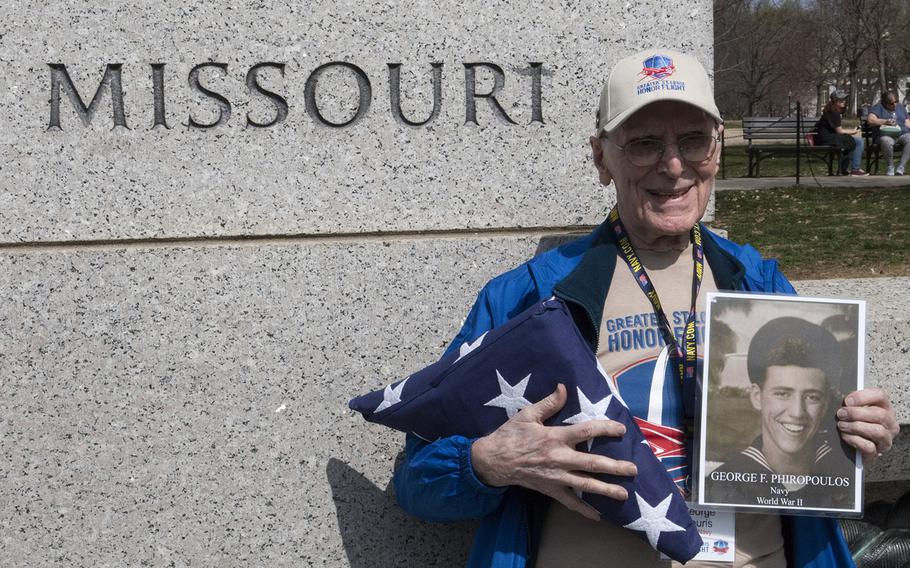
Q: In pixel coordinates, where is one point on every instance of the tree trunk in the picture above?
(854, 87)
(882, 80)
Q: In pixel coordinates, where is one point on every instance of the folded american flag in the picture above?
(472, 391)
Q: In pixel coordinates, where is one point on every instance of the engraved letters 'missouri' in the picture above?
(199, 81)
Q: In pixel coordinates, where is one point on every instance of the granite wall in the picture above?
(220, 221)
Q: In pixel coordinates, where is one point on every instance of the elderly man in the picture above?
(888, 113)
(656, 140)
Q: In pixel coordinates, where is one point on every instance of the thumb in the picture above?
(545, 407)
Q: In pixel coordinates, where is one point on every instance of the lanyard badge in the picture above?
(686, 352)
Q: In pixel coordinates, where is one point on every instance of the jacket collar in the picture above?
(586, 287)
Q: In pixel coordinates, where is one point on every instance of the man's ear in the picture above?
(755, 396)
(597, 154)
(718, 150)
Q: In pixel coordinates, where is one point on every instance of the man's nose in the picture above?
(671, 163)
(797, 407)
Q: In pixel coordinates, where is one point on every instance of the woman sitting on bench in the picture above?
(831, 133)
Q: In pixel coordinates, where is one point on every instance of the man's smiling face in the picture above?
(792, 401)
(668, 198)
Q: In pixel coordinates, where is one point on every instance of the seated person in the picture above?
(830, 133)
(889, 113)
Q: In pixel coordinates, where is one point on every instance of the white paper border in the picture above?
(860, 381)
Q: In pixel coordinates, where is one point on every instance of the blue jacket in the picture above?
(436, 480)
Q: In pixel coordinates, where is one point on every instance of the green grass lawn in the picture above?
(823, 232)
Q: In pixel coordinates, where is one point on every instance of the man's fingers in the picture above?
(589, 484)
(868, 422)
(876, 434)
(586, 484)
(545, 407)
(568, 498)
(577, 433)
(871, 414)
(864, 446)
(862, 413)
(571, 460)
(868, 397)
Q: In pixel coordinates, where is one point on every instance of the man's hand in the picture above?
(867, 422)
(525, 452)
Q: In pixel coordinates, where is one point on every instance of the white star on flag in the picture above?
(390, 396)
(653, 520)
(512, 398)
(589, 411)
(468, 347)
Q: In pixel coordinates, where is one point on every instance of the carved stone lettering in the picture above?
(60, 78)
(395, 93)
(280, 103)
(471, 94)
(112, 82)
(158, 93)
(224, 106)
(536, 106)
(364, 90)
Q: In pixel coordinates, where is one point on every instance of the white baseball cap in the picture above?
(651, 76)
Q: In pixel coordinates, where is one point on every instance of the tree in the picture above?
(770, 51)
(754, 62)
(846, 20)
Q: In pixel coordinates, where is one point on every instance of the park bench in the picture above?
(769, 136)
(874, 151)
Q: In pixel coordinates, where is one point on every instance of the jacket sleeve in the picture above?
(775, 281)
(762, 275)
(436, 480)
(502, 298)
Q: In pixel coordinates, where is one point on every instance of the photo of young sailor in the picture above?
(798, 372)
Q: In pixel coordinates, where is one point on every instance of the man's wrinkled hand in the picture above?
(867, 422)
(525, 452)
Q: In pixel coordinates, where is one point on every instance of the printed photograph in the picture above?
(777, 369)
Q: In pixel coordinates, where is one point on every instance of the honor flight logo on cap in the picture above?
(657, 67)
(652, 76)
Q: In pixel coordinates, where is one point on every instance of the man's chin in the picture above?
(678, 211)
(674, 226)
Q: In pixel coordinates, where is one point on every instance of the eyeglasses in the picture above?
(693, 148)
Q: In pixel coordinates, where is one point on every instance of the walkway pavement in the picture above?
(809, 181)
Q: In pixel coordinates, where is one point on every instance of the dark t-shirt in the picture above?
(827, 127)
